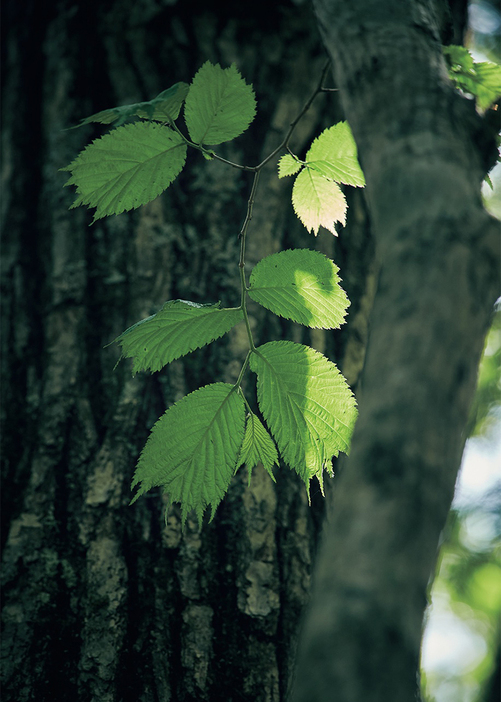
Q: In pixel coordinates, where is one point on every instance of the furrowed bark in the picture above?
(424, 152)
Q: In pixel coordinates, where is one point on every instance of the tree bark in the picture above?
(424, 152)
(103, 601)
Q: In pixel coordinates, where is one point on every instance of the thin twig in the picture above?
(293, 125)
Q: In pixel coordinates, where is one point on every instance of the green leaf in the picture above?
(127, 167)
(288, 165)
(164, 108)
(177, 329)
(306, 403)
(334, 155)
(219, 106)
(193, 449)
(257, 447)
(167, 104)
(113, 114)
(489, 84)
(459, 57)
(482, 80)
(301, 285)
(318, 202)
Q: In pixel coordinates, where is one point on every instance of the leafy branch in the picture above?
(197, 445)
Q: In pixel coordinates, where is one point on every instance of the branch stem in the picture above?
(250, 206)
(241, 374)
(285, 142)
(241, 263)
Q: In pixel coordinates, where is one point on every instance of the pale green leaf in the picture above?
(220, 105)
(193, 449)
(257, 447)
(318, 202)
(127, 167)
(301, 285)
(164, 108)
(307, 404)
(334, 155)
(288, 165)
(177, 329)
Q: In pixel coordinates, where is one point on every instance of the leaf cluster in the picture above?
(316, 196)
(196, 447)
(307, 407)
(135, 162)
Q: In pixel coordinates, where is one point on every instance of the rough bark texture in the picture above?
(424, 152)
(102, 601)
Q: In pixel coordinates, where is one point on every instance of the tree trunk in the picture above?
(103, 601)
(424, 152)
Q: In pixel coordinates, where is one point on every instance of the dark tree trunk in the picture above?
(424, 151)
(104, 602)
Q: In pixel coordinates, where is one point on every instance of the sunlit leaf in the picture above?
(306, 402)
(318, 202)
(334, 155)
(489, 84)
(301, 285)
(288, 165)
